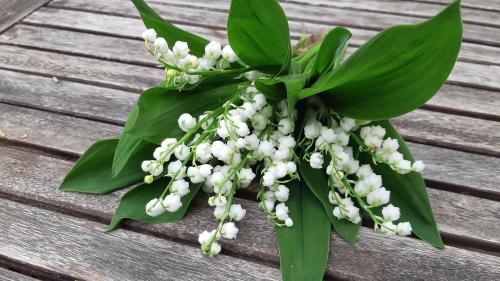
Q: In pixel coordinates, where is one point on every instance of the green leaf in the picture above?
(258, 33)
(301, 62)
(332, 50)
(127, 147)
(318, 184)
(92, 172)
(396, 71)
(130, 144)
(170, 32)
(304, 247)
(408, 192)
(272, 88)
(132, 205)
(158, 110)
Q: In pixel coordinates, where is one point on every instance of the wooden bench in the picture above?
(70, 71)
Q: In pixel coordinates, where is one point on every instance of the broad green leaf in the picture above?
(258, 33)
(294, 83)
(170, 32)
(318, 184)
(130, 144)
(332, 50)
(272, 88)
(133, 204)
(92, 172)
(396, 71)
(408, 192)
(300, 62)
(127, 147)
(304, 247)
(158, 111)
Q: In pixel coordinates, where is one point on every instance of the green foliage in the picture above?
(318, 184)
(331, 51)
(170, 32)
(304, 247)
(408, 192)
(258, 33)
(132, 205)
(92, 172)
(396, 71)
(159, 109)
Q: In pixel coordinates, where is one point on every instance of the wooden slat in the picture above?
(89, 70)
(68, 97)
(493, 5)
(7, 275)
(131, 77)
(79, 248)
(469, 74)
(214, 19)
(464, 133)
(47, 130)
(16, 122)
(310, 13)
(408, 257)
(13, 11)
(409, 8)
(470, 101)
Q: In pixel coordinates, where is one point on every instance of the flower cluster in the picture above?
(221, 150)
(181, 67)
(353, 186)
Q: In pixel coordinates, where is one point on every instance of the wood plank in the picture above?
(13, 11)
(469, 101)
(476, 4)
(7, 275)
(45, 129)
(256, 237)
(94, 71)
(79, 248)
(478, 136)
(71, 98)
(135, 78)
(408, 8)
(469, 74)
(214, 19)
(75, 135)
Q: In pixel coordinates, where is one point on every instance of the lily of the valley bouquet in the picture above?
(305, 130)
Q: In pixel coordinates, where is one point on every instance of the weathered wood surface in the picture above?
(256, 237)
(133, 77)
(73, 136)
(79, 248)
(7, 275)
(298, 14)
(94, 50)
(12, 11)
(493, 5)
(471, 101)
(131, 27)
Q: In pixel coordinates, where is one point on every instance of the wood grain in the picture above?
(7, 275)
(471, 101)
(464, 73)
(71, 98)
(214, 20)
(409, 8)
(256, 236)
(78, 248)
(478, 136)
(73, 135)
(13, 11)
(298, 12)
(94, 71)
(476, 4)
